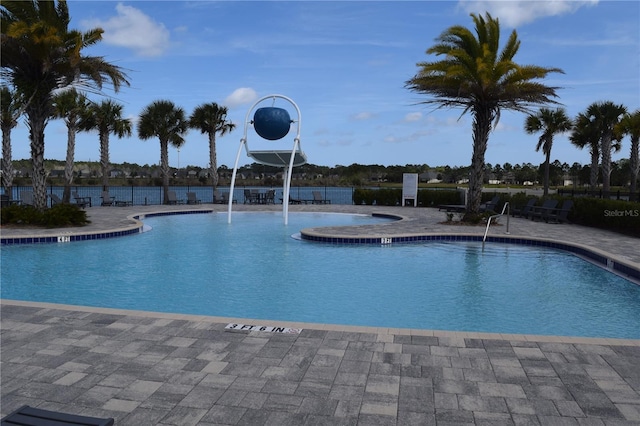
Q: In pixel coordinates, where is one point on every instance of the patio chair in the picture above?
(172, 199)
(192, 198)
(107, 200)
(81, 201)
(542, 211)
(224, 197)
(524, 211)
(270, 197)
(217, 198)
(317, 198)
(29, 416)
(490, 206)
(560, 215)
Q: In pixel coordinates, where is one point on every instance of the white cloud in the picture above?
(412, 116)
(361, 116)
(420, 135)
(240, 96)
(132, 29)
(515, 13)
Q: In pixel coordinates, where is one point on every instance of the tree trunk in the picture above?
(38, 174)
(634, 165)
(593, 177)
(545, 192)
(605, 148)
(104, 159)
(213, 162)
(68, 168)
(164, 167)
(7, 164)
(482, 119)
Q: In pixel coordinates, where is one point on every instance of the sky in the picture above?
(345, 65)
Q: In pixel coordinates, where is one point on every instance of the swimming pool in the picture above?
(252, 268)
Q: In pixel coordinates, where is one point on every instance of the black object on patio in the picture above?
(29, 416)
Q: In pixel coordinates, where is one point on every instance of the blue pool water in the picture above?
(252, 268)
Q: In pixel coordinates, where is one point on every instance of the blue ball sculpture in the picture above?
(271, 123)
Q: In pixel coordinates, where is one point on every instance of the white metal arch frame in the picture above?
(278, 158)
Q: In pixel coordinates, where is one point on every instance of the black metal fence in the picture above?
(153, 195)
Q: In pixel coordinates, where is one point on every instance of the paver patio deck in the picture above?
(164, 369)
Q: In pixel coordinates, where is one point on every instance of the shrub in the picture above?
(518, 200)
(20, 215)
(434, 198)
(380, 197)
(58, 216)
(393, 197)
(615, 215)
(363, 196)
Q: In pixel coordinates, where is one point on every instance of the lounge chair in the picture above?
(172, 199)
(560, 215)
(81, 201)
(27, 198)
(55, 199)
(107, 200)
(490, 206)
(29, 416)
(192, 198)
(541, 212)
(317, 198)
(524, 211)
(295, 200)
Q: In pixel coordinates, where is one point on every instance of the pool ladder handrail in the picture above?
(486, 231)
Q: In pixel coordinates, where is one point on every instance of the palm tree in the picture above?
(40, 54)
(106, 118)
(162, 119)
(476, 76)
(584, 134)
(11, 108)
(549, 122)
(211, 119)
(630, 125)
(605, 116)
(69, 105)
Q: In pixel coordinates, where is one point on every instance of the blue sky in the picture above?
(345, 64)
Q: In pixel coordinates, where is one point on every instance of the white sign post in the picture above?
(410, 188)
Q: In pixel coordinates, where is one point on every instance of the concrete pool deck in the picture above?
(147, 368)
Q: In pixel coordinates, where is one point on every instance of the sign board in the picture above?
(410, 188)
(264, 328)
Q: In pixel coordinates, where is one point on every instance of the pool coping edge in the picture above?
(381, 331)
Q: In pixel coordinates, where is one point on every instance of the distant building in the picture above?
(429, 177)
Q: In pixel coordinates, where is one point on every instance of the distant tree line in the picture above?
(560, 174)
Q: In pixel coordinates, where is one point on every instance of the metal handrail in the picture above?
(486, 231)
